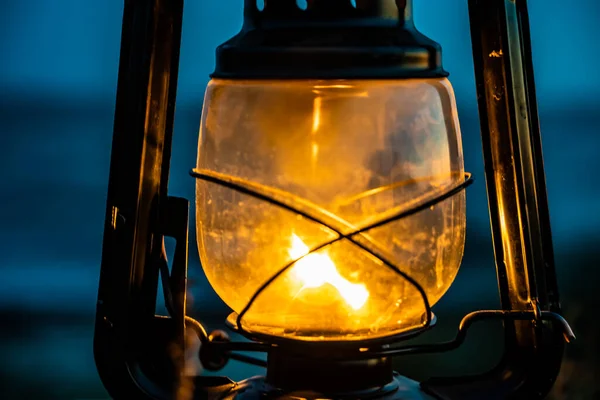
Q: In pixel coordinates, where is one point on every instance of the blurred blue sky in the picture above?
(70, 47)
(58, 84)
(58, 76)
(66, 52)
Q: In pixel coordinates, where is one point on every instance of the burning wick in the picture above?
(315, 270)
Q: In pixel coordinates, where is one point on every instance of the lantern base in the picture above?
(319, 375)
(325, 372)
(400, 388)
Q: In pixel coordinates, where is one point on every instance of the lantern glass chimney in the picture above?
(349, 152)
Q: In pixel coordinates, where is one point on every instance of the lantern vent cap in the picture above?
(329, 39)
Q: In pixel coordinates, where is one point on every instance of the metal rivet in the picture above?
(107, 322)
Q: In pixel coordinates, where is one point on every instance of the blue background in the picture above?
(58, 76)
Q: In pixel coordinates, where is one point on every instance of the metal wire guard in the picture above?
(227, 348)
(343, 229)
(273, 196)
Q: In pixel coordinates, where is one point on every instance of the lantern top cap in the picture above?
(328, 39)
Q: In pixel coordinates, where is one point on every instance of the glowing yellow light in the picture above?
(316, 114)
(315, 151)
(315, 270)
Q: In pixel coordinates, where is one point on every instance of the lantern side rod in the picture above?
(519, 214)
(130, 343)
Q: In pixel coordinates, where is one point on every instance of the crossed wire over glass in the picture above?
(343, 229)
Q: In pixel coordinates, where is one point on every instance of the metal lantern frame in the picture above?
(141, 355)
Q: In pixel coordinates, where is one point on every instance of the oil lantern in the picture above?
(330, 205)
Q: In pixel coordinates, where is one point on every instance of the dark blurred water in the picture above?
(57, 87)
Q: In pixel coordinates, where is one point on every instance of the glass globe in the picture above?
(350, 152)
